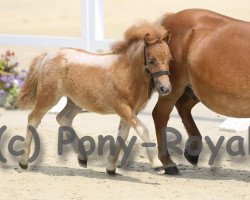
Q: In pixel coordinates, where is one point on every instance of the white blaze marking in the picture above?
(77, 57)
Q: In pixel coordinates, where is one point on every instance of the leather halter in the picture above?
(155, 74)
(152, 75)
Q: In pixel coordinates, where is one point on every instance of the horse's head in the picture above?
(157, 57)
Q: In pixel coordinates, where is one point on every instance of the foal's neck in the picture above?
(135, 59)
(132, 62)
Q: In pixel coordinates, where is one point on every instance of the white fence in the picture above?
(92, 37)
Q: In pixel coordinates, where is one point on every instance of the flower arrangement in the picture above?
(10, 80)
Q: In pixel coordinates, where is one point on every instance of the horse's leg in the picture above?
(125, 112)
(152, 151)
(184, 106)
(123, 133)
(161, 114)
(44, 103)
(65, 118)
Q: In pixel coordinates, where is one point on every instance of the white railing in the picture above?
(92, 36)
(92, 39)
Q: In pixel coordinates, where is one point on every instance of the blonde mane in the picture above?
(137, 33)
(163, 18)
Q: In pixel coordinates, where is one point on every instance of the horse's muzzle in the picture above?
(163, 90)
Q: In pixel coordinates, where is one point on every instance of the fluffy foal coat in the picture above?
(102, 83)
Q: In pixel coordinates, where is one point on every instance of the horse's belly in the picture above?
(221, 102)
(93, 105)
(218, 70)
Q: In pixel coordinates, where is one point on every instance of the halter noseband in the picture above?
(155, 74)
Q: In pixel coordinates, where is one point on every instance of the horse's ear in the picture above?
(148, 39)
(167, 36)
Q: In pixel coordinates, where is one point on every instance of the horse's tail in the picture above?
(27, 95)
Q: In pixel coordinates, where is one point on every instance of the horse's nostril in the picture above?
(165, 89)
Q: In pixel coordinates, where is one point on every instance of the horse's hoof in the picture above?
(83, 163)
(111, 173)
(173, 170)
(192, 159)
(24, 167)
(159, 170)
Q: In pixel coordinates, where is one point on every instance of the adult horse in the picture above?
(112, 83)
(212, 65)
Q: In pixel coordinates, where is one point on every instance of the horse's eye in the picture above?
(151, 61)
(171, 63)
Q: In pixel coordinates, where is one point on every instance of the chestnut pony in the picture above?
(212, 65)
(112, 83)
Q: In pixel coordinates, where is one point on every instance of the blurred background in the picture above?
(63, 18)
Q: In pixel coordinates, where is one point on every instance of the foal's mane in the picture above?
(163, 18)
(137, 33)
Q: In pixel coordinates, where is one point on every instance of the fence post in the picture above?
(85, 28)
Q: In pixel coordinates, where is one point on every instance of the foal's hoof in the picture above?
(173, 170)
(24, 167)
(83, 163)
(159, 170)
(192, 159)
(111, 173)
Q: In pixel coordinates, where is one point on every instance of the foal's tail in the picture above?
(27, 95)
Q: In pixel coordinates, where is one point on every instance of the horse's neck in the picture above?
(132, 62)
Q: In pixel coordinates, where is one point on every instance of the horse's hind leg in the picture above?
(65, 118)
(184, 106)
(44, 102)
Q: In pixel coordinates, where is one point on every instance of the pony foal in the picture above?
(117, 82)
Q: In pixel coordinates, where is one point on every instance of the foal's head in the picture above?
(148, 43)
(157, 57)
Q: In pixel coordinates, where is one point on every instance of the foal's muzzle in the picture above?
(161, 81)
(163, 90)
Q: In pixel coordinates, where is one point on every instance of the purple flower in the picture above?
(9, 76)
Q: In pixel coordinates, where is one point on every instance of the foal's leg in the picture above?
(65, 118)
(131, 119)
(152, 152)
(43, 104)
(184, 106)
(123, 133)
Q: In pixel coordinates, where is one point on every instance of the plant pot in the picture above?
(3, 97)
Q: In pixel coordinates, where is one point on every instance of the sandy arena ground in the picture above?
(60, 177)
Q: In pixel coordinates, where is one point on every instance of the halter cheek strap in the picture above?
(152, 75)
(155, 74)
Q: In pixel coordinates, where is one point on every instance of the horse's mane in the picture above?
(163, 18)
(137, 33)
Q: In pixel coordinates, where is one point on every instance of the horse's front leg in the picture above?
(161, 115)
(152, 151)
(129, 117)
(184, 106)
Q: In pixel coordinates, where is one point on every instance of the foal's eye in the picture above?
(171, 63)
(151, 61)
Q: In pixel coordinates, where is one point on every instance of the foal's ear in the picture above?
(148, 39)
(167, 36)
